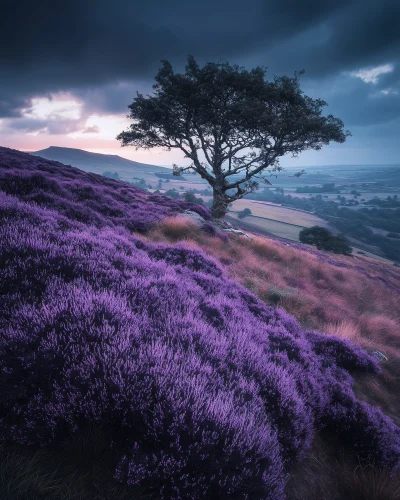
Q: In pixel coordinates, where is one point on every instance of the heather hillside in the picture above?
(84, 197)
(193, 386)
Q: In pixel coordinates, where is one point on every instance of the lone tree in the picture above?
(231, 123)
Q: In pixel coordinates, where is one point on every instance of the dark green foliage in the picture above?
(112, 175)
(221, 110)
(172, 193)
(390, 202)
(325, 188)
(191, 198)
(323, 239)
(169, 176)
(244, 213)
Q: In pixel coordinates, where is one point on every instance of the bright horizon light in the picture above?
(54, 106)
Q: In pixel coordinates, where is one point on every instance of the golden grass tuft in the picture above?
(178, 228)
(344, 328)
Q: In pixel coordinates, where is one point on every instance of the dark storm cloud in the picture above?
(110, 98)
(360, 34)
(11, 102)
(58, 125)
(89, 47)
(360, 106)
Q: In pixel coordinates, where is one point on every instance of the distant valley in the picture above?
(360, 201)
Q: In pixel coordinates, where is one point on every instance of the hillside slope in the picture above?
(99, 163)
(197, 387)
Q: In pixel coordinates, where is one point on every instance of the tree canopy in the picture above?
(323, 239)
(231, 123)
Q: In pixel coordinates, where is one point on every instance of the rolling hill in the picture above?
(99, 163)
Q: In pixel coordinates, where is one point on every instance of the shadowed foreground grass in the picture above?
(76, 469)
(79, 469)
(330, 473)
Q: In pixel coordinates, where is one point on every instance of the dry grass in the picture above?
(347, 301)
(332, 474)
(178, 228)
(77, 468)
(321, 295)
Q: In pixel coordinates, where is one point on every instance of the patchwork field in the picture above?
(278, 213)
(267, 227)
(274, 219)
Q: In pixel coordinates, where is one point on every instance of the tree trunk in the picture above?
(220, 205)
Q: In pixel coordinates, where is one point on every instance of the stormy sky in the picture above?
(68, 70)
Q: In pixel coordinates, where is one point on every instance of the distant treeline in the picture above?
(325, 188)
(170, 176)
(390, 202)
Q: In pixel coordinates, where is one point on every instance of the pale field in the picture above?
(276, 228)
(187, 185)
(278, 213)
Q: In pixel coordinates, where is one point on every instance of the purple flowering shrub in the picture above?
(206, 392)
(85, 197)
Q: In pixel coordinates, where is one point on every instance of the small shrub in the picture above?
(244, 213)
(112, 175)
(323, 239)
(192, 198)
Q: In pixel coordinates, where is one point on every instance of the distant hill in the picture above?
(99, 163)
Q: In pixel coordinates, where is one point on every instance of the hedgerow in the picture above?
(206, 391)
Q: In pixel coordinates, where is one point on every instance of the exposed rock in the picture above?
(220, 224)
(379, 355)
(237, 231)
(193, 216)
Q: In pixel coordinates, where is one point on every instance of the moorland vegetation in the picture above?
(131, 332)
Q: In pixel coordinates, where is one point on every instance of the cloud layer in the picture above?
(101, 52)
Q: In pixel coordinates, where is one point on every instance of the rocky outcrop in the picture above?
(219, 224)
